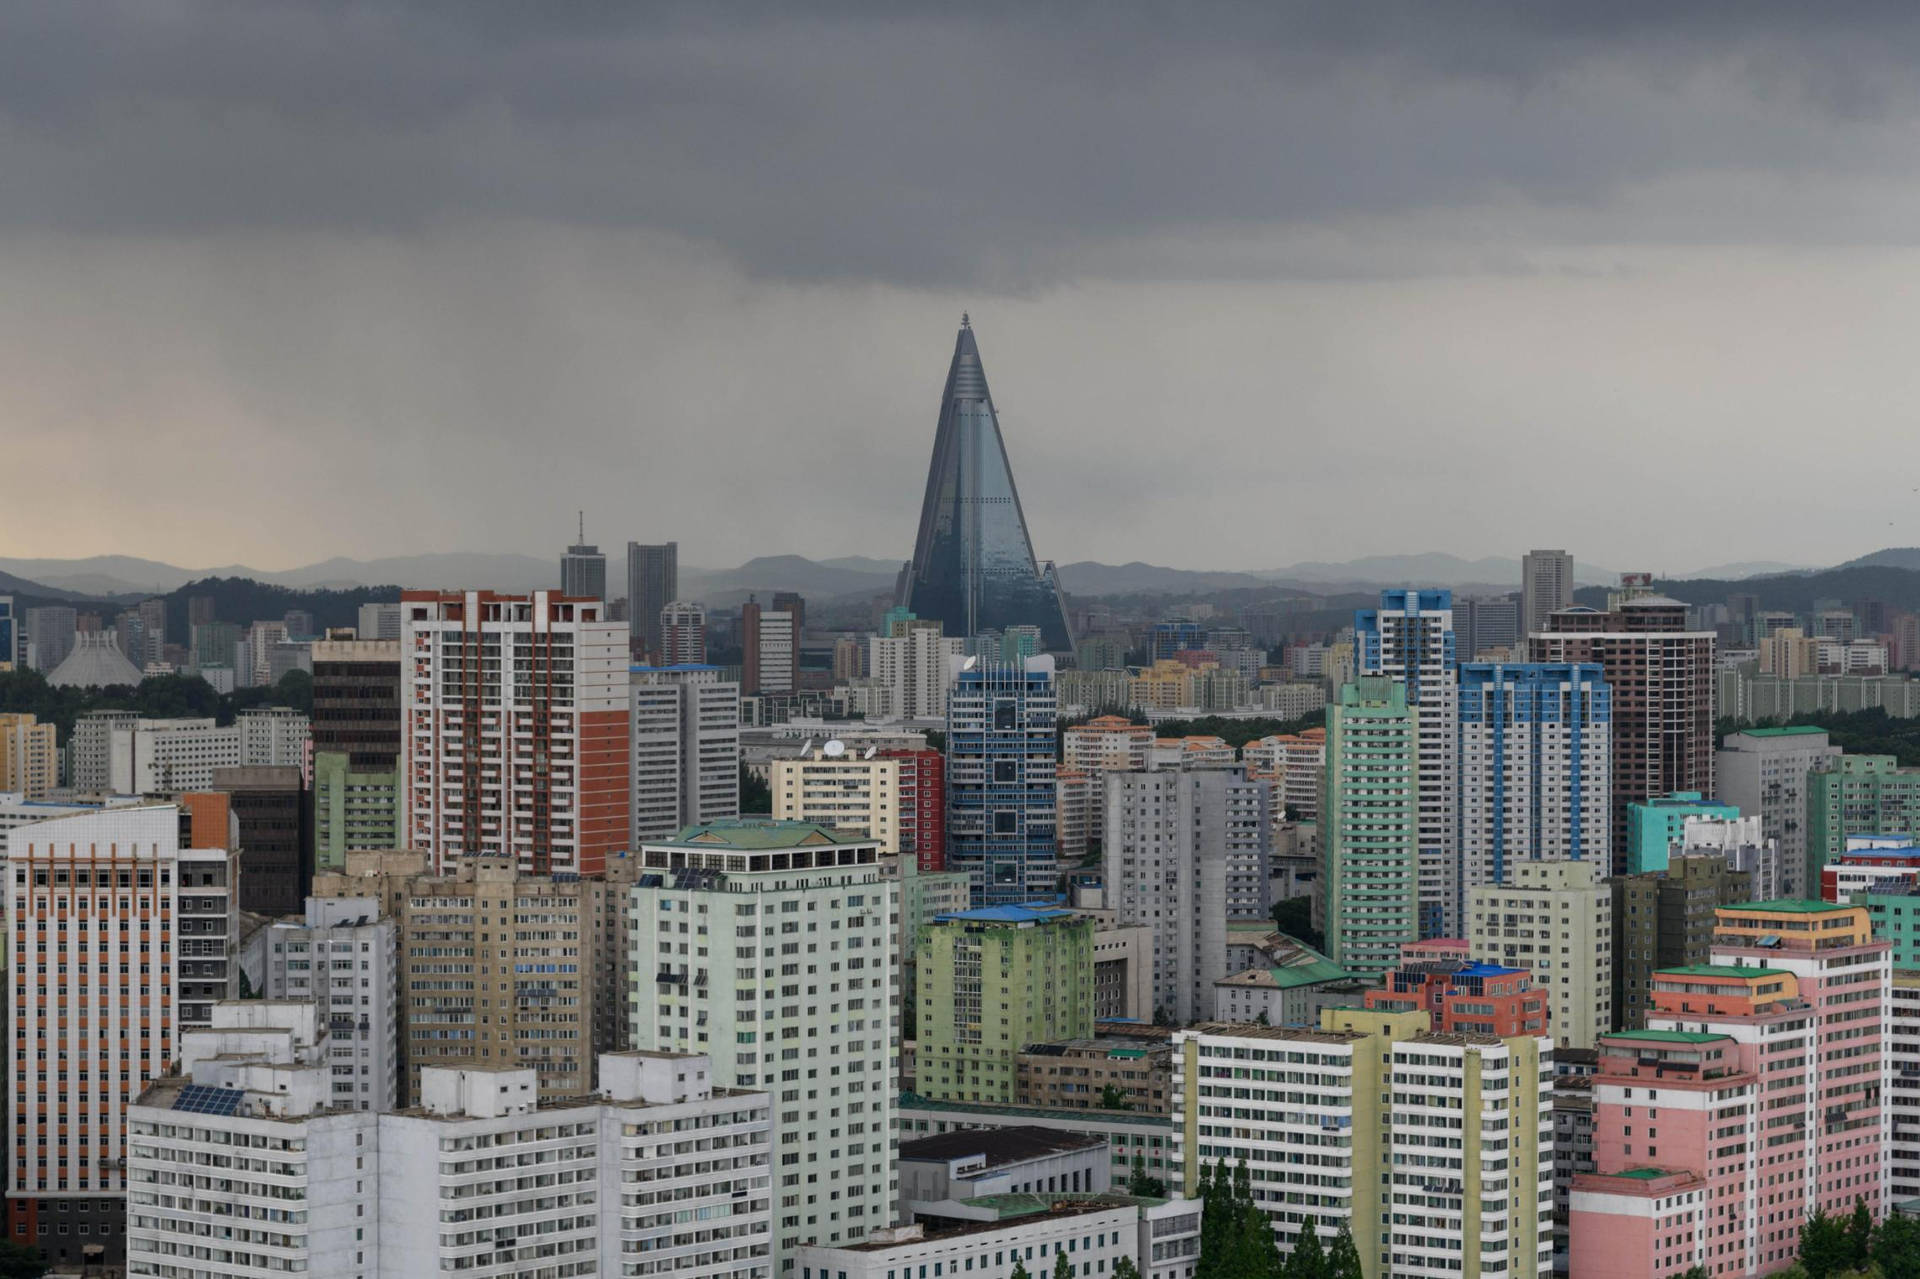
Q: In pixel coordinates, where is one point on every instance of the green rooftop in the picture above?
(1132, 1118)
(1790, 730)
(1026, 1205)
(1666, 1036)
(1642, 1174)
(1720, 970)
(1787, 906)
(760, 834)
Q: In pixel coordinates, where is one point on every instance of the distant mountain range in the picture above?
(107, 576)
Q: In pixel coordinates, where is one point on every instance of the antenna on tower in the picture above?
(583, 528)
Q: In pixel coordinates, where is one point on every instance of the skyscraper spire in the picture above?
(973, 566)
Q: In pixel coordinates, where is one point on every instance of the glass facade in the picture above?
(973, 565)
(1000, 779)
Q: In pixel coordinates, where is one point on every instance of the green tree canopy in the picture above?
(1343, 1259)
(1896, 1247)
(1112, 1098)
(1825, 1248)
(1307, 1260)
(1860, 1233)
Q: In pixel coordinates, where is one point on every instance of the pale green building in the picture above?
(1857, 795)
(1369, 823)
(352, 810)
(924, 896)
(991, 982)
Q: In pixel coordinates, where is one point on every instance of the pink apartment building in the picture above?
(1754, 1099)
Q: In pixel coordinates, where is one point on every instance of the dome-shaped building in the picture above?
(96, 662)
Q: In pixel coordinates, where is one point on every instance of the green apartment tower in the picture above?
(992, 981)
(1857, 795)
(1370, 824)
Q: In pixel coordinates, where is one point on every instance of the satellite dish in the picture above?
(836, 748)
(807, 748)
(870, 752)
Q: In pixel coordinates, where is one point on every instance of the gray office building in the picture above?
(653, 582)
(583, 569)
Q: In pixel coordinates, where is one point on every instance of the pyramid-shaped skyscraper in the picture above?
(973, 565)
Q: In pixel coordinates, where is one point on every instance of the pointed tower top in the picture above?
(965, 323)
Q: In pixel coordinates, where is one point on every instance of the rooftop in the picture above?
(1031, 913)
(1251, 1030)
(1787, 906)
(1001, 1146)
(763, 833)
(1079, 1118)
(1720, 970)
(1008, 1208)
(1665, 1036)
(1789, 730)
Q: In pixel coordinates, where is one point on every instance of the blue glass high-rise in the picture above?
(1000, 779)
(973, 565)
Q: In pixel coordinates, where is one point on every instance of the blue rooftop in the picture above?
(683, 666)
(1487, 970)
(1031, 913)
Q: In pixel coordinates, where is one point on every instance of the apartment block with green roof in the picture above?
(992, 981)
(1370, 826)
(1857, 795)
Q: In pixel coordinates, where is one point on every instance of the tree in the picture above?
(1139, 1183)
(1307, 1260)
(1896, 1247)
(1343, 1259)
(1294, 917)
(1112, 1098)
(1062, 1268)
(1125, 1269)
(755, 795)
(1860, 1233)
(1696, 1272)
(1825, 1248)
(1019, 1270)
(18, 1261)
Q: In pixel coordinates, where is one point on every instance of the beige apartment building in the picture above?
(836, 788)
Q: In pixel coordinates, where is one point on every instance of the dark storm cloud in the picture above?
(988, 145)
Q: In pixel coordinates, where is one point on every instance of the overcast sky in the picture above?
(1252, 284)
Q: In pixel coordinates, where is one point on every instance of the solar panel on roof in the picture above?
(201, 1100)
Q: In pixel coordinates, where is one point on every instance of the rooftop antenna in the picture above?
(965, 323)
(583, 528)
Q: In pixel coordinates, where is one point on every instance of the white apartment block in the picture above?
(1107, 744)
(841, 790)
(685, 764)
(1739, 841)
(91, 750)
(915, 667)
(240, 1168)
(344, 958)
(1296, 764)
(1554, 919)
(1294, 699)
(154, 756)
(257, 653)
(1185, 853)
(770, 947)
(1376, 1123)
(1093, 1232)
(514, 731)
(103, 911)
(777, 648)
(1763, 772)
(1903, 1092)
(274, 735)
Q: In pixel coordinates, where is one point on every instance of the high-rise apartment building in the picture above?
(343, 957)
(1409, 638)
(497, 966)
(973, 567)
(274, 735)
(1295, 764)
(769, 650)
(116, 942)
(514, 729)
(273, 811)
(583, 569)
(990, 982)
(1000, 771)
(653, 582)
(1431, 1147)
(1661, 675)
(153, 630)
(683, 634)
(1656, 826)
(1755, 1098)
(1535, 763)
(1106, 743)
(29, 756)
(685, 761)
(840, 790)
(1489, 625)
(770, 946)
(247, 1131)
(1903, 1090)
(1665, 920)
(923, 806)
(1857, 795)
(917, 667)
(49, 634)
(1187, 853)
(1546, 587)
(356, 748)
(1554, 919)
(1369, 826)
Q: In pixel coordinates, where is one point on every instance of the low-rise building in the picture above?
(1075, 1074)
(1285, 983)
(989, 1236)
(970, 1163)
(1146, 1136)
(1468, 998)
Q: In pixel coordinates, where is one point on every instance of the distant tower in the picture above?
(653, 582)
(1546, 586)
(973, 565)
(583, 569)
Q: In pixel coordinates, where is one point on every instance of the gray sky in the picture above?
(1253, 284)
